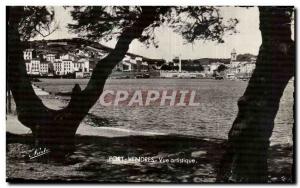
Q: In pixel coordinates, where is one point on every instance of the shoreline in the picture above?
(16, 127)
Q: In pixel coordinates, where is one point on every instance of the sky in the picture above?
(247, 40)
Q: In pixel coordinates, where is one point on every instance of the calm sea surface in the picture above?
(212, 118)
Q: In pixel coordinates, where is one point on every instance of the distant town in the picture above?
(76, 59)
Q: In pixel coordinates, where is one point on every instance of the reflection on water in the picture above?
(213, 118)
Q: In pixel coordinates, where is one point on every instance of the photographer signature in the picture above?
(37, 152)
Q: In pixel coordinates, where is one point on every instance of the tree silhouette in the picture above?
(246, 157)
(248, 139)
(56, 128)
(221, 68)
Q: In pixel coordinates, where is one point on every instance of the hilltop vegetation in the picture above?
(71, 45)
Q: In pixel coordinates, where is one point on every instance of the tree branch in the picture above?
(103, 68)
(32, 112)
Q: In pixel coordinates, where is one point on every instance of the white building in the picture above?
(84, 64)
(240, 69)
(132, 63)
(126, 65)
(68, 66)
(61, 64)
(35, 67)
(245, 68)
(44, 68)
(32, 64)
(67, 56)
(58, 67)
(50, 57)
(28, 54)
(77, 66)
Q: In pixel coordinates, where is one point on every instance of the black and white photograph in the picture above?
(150, 94)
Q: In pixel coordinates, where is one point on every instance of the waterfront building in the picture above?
(35, 66)
(68, 67)
(82, 65)
(44, 68)
(131, 63)
(28, 54)
(77, 66)
(58, 67)
(50, 57)
(67, 56)
(240, 69)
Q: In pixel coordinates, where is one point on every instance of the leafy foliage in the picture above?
(102, 22)
(245, 57)
(170, 67)
(193, 23)
(33, 20)
(221, 68)
(193, 68)
(108, 22)
(199, 23)
(186, 66)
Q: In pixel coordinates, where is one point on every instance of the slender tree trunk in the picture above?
(56, 128)
(248, 142)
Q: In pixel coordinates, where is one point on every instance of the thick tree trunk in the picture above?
(248, 142)
(51, 128)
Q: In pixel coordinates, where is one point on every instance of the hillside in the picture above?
(70, 45)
